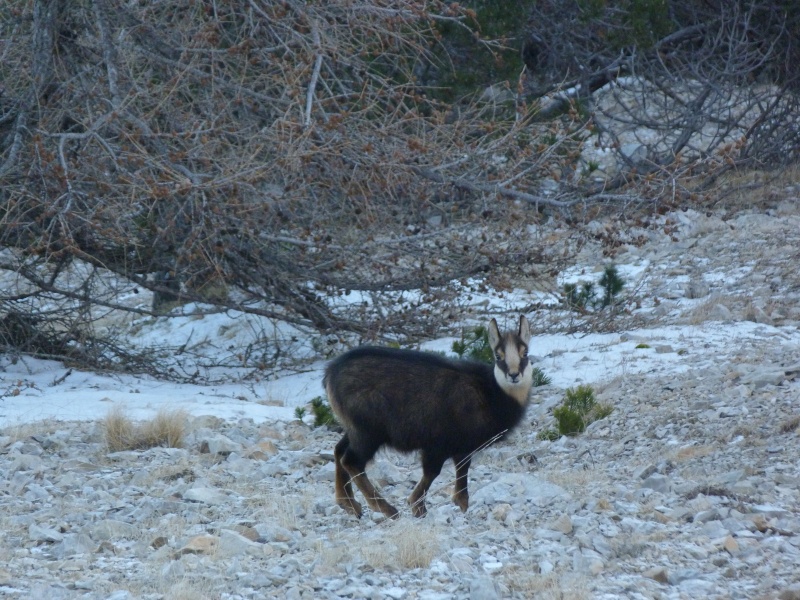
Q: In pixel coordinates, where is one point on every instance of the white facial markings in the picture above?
(514, 373)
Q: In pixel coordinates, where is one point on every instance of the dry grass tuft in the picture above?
(791, 424)
(550, 586)
(576, 480)
(167, 430)
(690, 452)
(406, 546)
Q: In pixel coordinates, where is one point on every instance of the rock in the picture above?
(562, 524)
(483, 588)
(706, 515)
(761, 377)
(270, 532)
(27, 462)
(790, 593)
(216, 443)
(657, 482)
(644, 472)
(658, 574)
(37, 533)
(73, 544)
(205, 495)
(514, 488)
(501, 511)
(720, 312)
(731, 545)
(760, 316)
(110, 529)
(200, 544)
(233, 543)
(261, 451)
(769, 510)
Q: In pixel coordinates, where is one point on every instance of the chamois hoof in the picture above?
(350, 506)
(418, 509)
(389, 511)
(462, 501)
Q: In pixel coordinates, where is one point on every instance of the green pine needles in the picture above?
(577, 411)
(595, 296)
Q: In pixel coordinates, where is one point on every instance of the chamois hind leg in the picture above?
(431, 467)
(354, 460)
(344, 487)
(461, 495)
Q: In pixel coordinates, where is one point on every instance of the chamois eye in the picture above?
(498, 357)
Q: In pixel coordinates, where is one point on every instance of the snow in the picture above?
(34, 390)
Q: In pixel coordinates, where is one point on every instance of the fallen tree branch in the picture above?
(491, 188)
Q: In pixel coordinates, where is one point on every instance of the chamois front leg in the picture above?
(431, 467)
(461, 495)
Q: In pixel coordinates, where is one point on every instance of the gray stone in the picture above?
(720, 312)
(483, 588)
(658, 574)
(206, 495)
(27, 462)
(790, 593)
(514, 488)
(37, 533)
(73, 544)
(562, 524)
(657, 482)
(216, 443)
(769, 510)
(110, 529)
(232, 543)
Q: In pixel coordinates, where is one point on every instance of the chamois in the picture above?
(411, 400)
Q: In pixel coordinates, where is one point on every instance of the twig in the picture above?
(312, 86)
(491, 188)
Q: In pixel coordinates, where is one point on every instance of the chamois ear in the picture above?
(494, 334)
(524, 330)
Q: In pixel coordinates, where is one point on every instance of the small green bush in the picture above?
(323, 415)
(580, 399)
(570, 421)
(474, 345)
(300, 412)
(611, 283)
(539, 378)
(577, 411)
(551, 435)
(586, 296)
(579, 298)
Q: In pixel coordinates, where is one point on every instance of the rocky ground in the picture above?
(689, 489)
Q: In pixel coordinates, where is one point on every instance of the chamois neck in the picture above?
(519, 391)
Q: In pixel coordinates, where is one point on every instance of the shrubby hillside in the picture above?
(269, 157)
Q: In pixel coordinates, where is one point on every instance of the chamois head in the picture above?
(512, 369)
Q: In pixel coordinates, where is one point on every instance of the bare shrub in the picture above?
(166, 429)
(263, 156)
(119, 430)
(690, 90)
(404, 545)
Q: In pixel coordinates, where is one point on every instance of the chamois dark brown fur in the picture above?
(411, 400)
